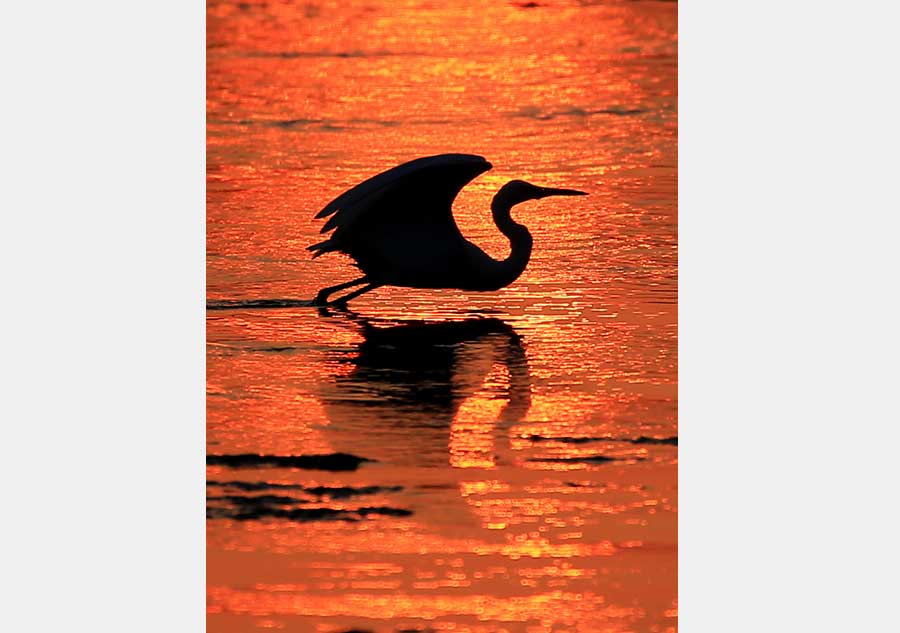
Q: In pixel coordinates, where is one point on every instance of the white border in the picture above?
(103, 313)
(788, 409)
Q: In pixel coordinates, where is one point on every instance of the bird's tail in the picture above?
(321, 248)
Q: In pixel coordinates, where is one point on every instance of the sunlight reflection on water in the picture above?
(512, 487)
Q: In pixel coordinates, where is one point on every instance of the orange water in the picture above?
(465, 409)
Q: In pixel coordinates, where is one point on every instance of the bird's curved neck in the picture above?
(520, 241)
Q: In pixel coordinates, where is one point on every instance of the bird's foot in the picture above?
(321, 299)
(339, 304)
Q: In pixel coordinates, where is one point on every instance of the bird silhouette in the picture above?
(398, 227)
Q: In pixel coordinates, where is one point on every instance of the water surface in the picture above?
(441, 460)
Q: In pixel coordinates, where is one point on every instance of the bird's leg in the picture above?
(341, 302)
(322, 298)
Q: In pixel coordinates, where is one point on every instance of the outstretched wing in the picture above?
(409, 203)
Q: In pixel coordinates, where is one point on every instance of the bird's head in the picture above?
(516, 191)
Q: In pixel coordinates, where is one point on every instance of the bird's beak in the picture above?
(550, 191)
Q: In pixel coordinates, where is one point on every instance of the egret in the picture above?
(398, 227)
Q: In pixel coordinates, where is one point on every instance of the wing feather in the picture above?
(404, 174)
(413, 199)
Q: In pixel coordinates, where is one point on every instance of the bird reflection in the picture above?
(402, 391)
